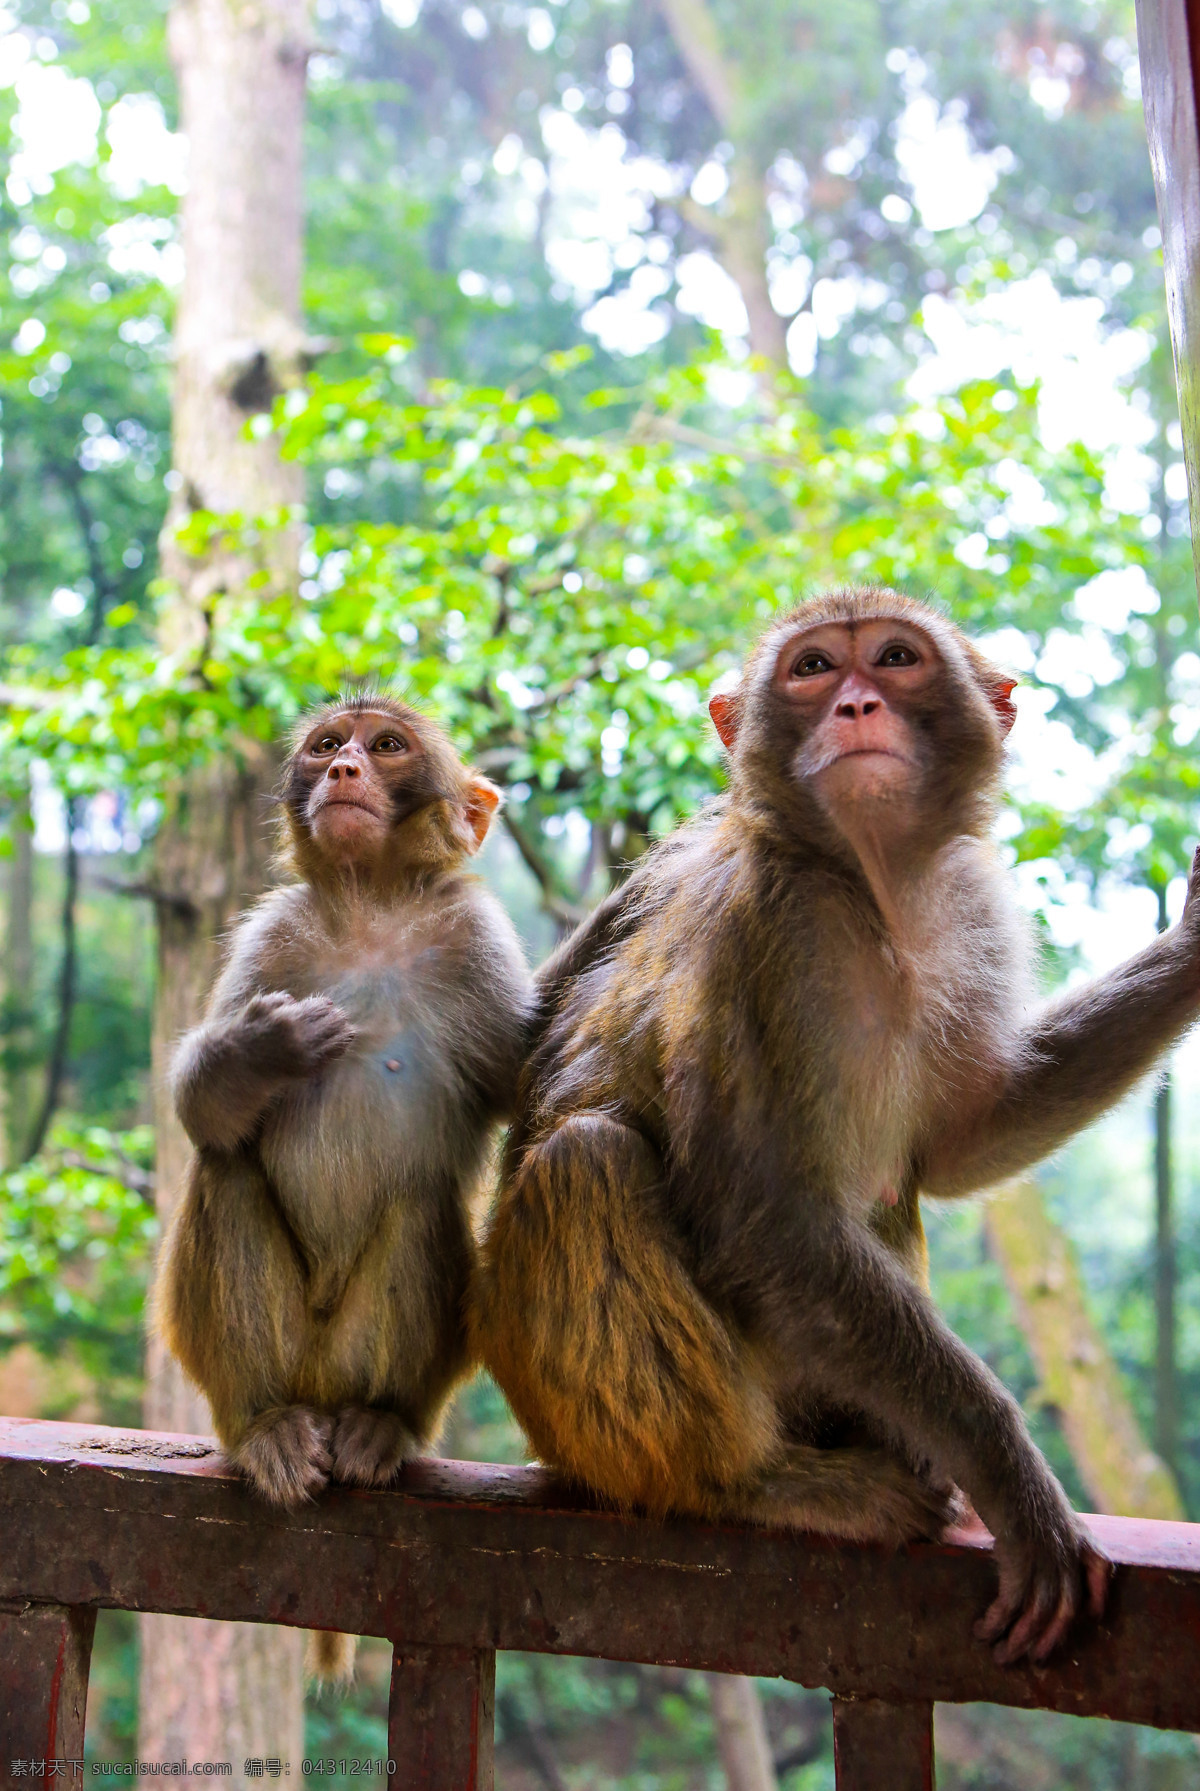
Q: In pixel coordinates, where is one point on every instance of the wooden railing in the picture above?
(461, 1560)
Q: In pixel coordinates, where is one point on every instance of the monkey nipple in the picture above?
(889, 1195)
(393, 1063)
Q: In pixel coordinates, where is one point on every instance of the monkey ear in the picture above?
(1001, 701)
(480, 803)
(724, 713)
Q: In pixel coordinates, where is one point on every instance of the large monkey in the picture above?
(704, 1286)
(363, 1039)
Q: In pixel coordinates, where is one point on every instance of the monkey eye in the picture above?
(897, 654)
(389, 743)
(811, 665)
(327, 743)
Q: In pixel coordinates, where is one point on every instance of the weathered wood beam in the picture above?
(45, 1655)
(877, 1744)
(441, 1726)
(472, 1557)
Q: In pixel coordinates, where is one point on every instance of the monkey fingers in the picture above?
(1037, 1603)
(285, 1454)
(296, 1038)
(370, 1447)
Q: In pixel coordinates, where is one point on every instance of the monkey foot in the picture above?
(370, 1447)
(863, 1493)
(285, 1453)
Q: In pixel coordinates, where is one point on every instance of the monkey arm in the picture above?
(220, 1094)
(813, 1285)
(230, 1069)
(1079, 1056)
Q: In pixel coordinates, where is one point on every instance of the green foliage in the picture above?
(84, 345)
(560, 553)
(563, 600)
(77, 1227)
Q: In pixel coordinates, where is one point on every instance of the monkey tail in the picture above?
(329, 1657)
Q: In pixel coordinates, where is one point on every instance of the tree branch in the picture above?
(694, 31)
(148, 892)
(566, 912)
(138, 1181)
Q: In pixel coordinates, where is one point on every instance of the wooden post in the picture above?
(440, 1719)
(45, 1653)
(878, 1745)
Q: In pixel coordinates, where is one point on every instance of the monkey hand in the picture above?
(1049, 1569)
(287, 1038)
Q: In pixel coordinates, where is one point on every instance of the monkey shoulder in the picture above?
(476, 931)
(268, 945)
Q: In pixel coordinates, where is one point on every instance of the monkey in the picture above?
(703, 1285)
(363, 1039)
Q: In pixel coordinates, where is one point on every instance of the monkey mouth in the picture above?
(349, 802)
(869, 752)
(862, 753)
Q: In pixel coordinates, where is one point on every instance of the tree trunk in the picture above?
(1078, 1376)
(738, 228)
(741, 1733)
(1166, 1375)
(18, 989)
(1166, 1367)
(60, 1044)
(222, 1691)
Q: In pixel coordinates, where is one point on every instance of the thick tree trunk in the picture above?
(18, 990)
(223, 1691)
(1078, 1376)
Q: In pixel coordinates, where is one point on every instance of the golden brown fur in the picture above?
(361, 1043)
(704, 1283)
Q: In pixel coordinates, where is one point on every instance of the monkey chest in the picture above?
(871, 1088)
(378, 1124)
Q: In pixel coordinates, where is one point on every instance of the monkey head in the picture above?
(373, 788)
(864, 709)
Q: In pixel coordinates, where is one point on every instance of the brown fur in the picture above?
(360, 1045)
(704, 1284)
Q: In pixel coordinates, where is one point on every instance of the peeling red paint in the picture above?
(51, 1752)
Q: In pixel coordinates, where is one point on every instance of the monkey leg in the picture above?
(620, 1372)
(230, 1305)
(858, 1492)
(626, 1379)
(390, 1353)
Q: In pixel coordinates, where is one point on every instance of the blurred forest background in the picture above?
(532, 355)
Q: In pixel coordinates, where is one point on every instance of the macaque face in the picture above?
(366, 771)
(853, 689)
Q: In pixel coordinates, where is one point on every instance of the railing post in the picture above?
(45, 1653)
(441, 1719)
(878, 1745)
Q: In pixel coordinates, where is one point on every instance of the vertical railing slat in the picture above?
(45, 1655)
(877, 1745)
(441, 1719)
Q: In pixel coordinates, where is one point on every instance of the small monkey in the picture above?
(363, 1039)
(704, 1284)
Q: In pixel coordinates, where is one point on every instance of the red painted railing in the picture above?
(461, 1560)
